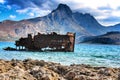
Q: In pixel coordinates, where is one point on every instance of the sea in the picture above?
(90, 54)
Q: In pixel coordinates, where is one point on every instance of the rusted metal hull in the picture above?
(47, 42)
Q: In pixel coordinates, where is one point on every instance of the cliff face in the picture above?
(61, 20)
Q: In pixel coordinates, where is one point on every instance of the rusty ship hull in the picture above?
(47, 42)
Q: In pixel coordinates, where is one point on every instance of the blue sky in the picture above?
(107, 12)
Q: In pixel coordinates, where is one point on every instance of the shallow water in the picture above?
(95, 55)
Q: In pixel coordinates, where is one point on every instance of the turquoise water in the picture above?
(95, 55)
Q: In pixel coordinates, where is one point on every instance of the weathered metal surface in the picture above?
(49, 42)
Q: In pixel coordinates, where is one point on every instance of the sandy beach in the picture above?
(29, 69)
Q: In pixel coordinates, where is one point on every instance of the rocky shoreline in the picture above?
(29, 69)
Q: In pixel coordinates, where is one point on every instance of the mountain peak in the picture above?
(63, 8)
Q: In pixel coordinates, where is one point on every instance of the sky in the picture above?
(107, 12)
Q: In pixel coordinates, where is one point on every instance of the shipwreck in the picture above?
(46, 42)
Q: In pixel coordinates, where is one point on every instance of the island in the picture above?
(108, 38)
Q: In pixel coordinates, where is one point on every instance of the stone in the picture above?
(70, 75)
(42, 73)
(80, 77)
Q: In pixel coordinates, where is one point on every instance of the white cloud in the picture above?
(116, 13)
(101, 17)
(2, 1)
(40, 12)
(12, 16)
(22, 11)
(36, 11)
(47, 5)
(92, 3)
(31, 14)
(108, 23)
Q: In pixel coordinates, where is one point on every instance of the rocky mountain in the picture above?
(108, 38)
(89, 23)
(60, 20)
